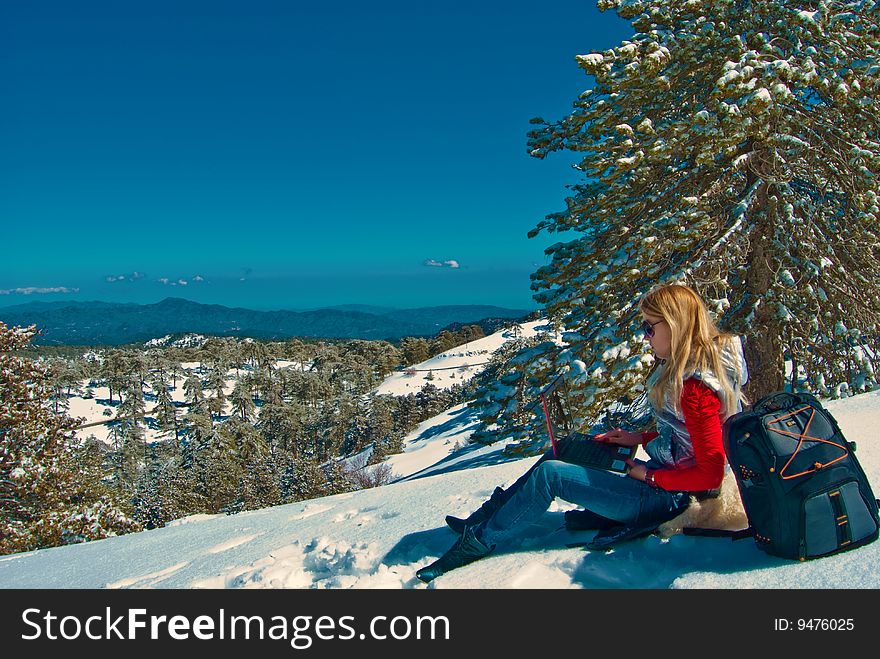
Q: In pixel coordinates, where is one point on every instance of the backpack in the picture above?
(802, 488)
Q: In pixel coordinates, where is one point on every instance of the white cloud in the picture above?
(34, 290)
(134, 276)
(441, 264)
(179, 282)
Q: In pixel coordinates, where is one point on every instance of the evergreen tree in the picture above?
(192, 388)
(296, 351)
(512, 379)
(326, 360)
(50, 485)
(406, 417)
(415, 350)
(131, 413)
(443, 342)
(357, 432)
(114, 370)
(176, 371)
(304, 479)
(242, 400)
(259, 482)
(471, 333)
(431, 401)
(380, 427)
(165, 410)
(70, 377)
(281, 424)
(216, 382)
(731, 145)
(217, 470)
(148, 501)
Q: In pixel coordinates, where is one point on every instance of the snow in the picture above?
(378, 538)
(590, 61)
(455, 365)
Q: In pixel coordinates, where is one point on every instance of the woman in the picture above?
(694, 389)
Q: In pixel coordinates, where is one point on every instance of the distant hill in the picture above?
(106, 323)
(366, 308)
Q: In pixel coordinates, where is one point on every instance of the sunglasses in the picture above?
(648, 327)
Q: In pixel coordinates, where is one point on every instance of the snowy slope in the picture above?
(454, 365)
(377, 538)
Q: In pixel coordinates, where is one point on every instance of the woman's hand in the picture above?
(636, 470)
(620, 437)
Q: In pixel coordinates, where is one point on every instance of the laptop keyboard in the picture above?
(579, 449)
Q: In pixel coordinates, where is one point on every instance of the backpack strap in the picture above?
(720, 533)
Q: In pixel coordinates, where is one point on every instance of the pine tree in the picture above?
(258, 486)
(149, 509)
(114, 370)
(131, 413)
(304, 479)
(281, 424)
(380, 428)
(732, 145)
(242, 400)
(165, 409)
(176, 371)
(357, 432)
(471, 333)
(216, 382)
(512, 379)
(415, 350)
(442, 342)
(192, 388)
(217, 469)
(406, 416)
(50, 483)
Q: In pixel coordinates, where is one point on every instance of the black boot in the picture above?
(479, 516)
(467, 549)
(606, 538)
(586, 520)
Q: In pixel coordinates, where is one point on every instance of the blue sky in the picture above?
(284, 154)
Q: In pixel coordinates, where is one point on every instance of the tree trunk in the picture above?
(763, 344)
(763, 352)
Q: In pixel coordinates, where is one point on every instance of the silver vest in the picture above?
(673, 448)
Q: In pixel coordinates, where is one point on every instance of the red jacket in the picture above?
(702, 417)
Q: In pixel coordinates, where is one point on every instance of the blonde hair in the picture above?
(697, 344)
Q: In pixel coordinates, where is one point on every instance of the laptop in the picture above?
(576, 447)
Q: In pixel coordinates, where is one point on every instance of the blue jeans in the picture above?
(616, 497)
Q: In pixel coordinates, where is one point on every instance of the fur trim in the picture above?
(724, 512)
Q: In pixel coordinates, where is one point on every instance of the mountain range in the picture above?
(108, 323)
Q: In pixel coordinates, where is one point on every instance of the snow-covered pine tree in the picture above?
(50, 485)
(242, 399)
(217, 382)
(114, 368)
(281, 423)
(512, 379)
(165, 410)
(380, 429)
(192, 388)
(732, 145)
(414, 349)
(131, 411)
